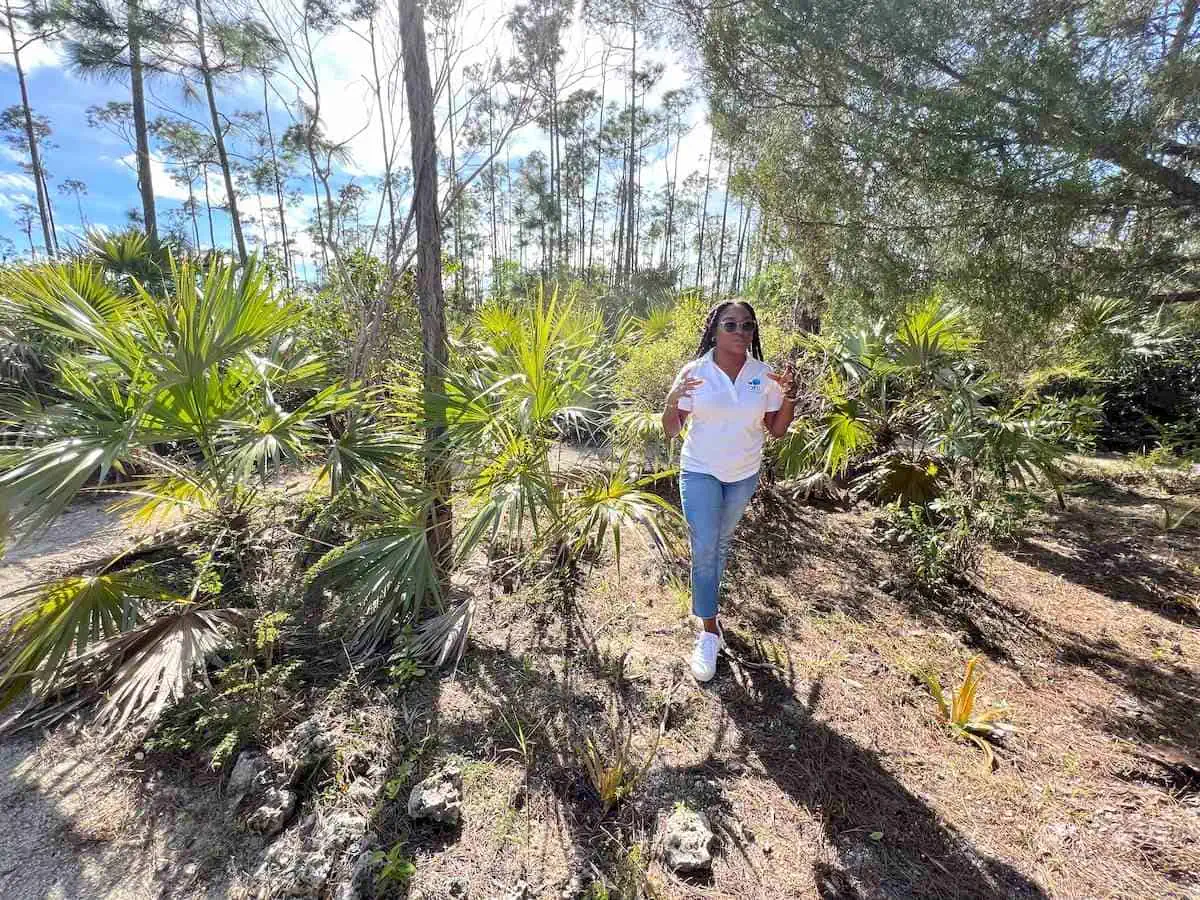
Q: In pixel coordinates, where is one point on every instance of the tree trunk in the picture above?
(49, 209)
(287, 251)
(456, 209)
(430, 299)
(34, 155)
(704, 214)
(670, 251)
(492, 177)
(219, 134)
(724, 217)
(760, 244)
(599, 161)
(323, 242)
(387, 153)
(138, 97)
(1186, 17)
(557, 250)
(192, 208)
(743, 227)
(629, 199)
(212, 235)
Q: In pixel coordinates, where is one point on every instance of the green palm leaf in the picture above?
(608, 500)
(387, 574)
(62, 618)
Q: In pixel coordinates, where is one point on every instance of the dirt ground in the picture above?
(815, 753)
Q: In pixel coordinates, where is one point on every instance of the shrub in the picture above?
(244, 707)
(1147, 400)
(961, 716)
(944, 539)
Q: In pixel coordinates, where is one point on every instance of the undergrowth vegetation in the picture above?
(188, 391)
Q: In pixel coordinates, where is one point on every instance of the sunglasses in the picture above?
(747, 326)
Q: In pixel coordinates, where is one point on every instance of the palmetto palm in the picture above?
(520, 381)
(174, 391)
(905, 406)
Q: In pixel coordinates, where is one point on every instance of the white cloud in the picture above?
(38, 55)
(15, 189)
(165, 185)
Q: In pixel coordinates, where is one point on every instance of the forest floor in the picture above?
(816, 754)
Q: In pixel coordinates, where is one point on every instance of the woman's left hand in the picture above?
(785, 381)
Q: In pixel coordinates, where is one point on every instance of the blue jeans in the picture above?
(712, 509)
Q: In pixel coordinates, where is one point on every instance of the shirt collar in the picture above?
(756, 366)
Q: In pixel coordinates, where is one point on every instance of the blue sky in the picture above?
(95, 156)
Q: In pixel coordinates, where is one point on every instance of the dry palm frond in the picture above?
(444, 638)
(140, 672)
(59, 619)
(818, 486)
(154, 665)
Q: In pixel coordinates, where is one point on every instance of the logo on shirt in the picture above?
(756, 385)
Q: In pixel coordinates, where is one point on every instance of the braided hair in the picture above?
(708, 336)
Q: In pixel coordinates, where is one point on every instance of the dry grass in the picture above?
(818, 756)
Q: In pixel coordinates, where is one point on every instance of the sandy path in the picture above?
(86, 531)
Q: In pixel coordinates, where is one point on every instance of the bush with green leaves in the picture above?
(169, 400)
(522, 379)
(903, 411)
(944, 539)
(244, 707)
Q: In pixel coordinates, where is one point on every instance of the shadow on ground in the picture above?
(1128, 558)
(847, 789)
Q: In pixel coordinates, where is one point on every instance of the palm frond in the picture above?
(844, 436)
(444, 638)
(931, 331)
(387, 574)
(371, 450)
(58, 620)
(75, 302)
(139, 673)
(216, 314)
(609, 500)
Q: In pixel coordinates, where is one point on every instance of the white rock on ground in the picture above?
(247, 776)
(438, 797)
(277, 808)
(687, 846)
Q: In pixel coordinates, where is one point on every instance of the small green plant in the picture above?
(398, 869)
(404, 669)
(959, 713)
(1162, 456)
(611, 766)
(267, 631)
(522, 739)
(245, 707)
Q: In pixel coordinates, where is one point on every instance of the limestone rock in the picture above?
(438, 797)
(248, 773)
(687, 847)
(277, 808)
(308, 745)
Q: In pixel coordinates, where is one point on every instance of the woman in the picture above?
(733, 400)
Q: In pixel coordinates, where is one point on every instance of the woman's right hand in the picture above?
(683, 390)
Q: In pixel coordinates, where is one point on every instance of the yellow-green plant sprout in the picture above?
(960, 715)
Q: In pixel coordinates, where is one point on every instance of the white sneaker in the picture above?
(704, 656)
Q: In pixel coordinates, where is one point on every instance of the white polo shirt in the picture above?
(726, 433)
